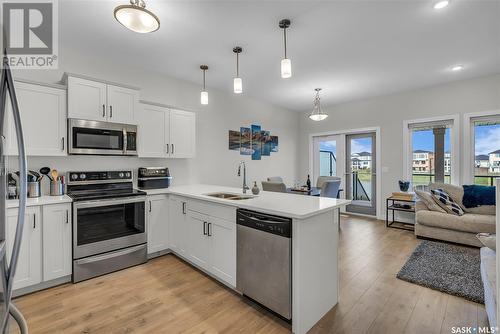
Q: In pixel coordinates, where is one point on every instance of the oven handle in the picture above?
(106, 202)
(110, 255)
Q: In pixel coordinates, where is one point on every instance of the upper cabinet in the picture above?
(43, 119)
(166, 133)
(99, 101)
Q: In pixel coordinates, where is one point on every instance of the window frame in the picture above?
(454, 119)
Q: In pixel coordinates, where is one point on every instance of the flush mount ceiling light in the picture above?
(317, 114)
(204, 93)
(237, 82)
(457, 68)
(441, 4)
(286, 64)
(136, 17)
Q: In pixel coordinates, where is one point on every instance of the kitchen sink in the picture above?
(230, 196)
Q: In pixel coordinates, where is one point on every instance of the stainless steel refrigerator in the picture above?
(8, 265)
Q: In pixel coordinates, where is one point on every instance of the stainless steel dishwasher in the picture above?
(264, 260)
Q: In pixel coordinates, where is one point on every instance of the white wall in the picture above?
(214, 162)
(389, 112)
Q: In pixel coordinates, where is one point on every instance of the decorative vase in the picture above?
(255, 188)
(404, 185)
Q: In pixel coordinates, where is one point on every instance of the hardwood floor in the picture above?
(166, 295)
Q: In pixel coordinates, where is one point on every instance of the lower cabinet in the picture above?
(198, 239)
(45, 252)
(178, 234)
(157, 220)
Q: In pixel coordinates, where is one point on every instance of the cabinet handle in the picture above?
(110, 111)
(172, 148)
(204, 228)
(34, 221)
(67, 217)
(184, 208)
(103, 110)
(62, 140)
(149, 206)
(167, 147)
(209, 229)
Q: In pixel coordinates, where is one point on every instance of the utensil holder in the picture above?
(34, 189)
(56, 188)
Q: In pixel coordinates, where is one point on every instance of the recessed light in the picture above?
(457, 68)
(441, 4)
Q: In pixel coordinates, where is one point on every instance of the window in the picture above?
(328, 158)
(486, 146)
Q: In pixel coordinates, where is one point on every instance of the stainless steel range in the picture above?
(109, 222)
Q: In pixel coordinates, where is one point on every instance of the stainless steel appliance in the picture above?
(264, 260)
(109, 222)
(8, 266)
(153, 177)
(101, 138)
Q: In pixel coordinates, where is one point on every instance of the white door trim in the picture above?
(378, 155)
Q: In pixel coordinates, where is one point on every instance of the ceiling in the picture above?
(352, 49)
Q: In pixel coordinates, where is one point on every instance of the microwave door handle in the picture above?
(125, 140)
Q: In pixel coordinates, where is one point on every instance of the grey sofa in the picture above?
(448, 227)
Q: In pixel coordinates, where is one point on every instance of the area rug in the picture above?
(452, 269)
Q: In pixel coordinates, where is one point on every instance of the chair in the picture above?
(330, 189)
(322, 179)
(279, 187)
(276, 179)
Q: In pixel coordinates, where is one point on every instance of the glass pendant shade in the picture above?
(286, 68)
(136, 17)
(317, 113)
(238, 85)
(204, 97)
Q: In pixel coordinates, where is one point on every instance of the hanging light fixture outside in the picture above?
(204, 93)
(317, 114)
(286, 64)
(136, 17)
(237, 82)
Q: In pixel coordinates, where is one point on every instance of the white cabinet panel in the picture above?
(87, 99)
(157, 223)
(43, 119)
(57, 257)
(223, 249)
(182, 134)
(29, 267)
(178, 233)
(198, 240)
(122, 104)
(152, 131)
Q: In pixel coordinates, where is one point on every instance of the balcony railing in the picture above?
(331, 158)
(425, 179)
(485, 180)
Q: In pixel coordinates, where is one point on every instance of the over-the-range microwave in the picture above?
(101, 138)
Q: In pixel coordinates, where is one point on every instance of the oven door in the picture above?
(106, 225)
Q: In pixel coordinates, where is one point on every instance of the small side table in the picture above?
(391, 205)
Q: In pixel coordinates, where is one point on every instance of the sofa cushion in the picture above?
(482, 210)
(429, 201)
(457, 193)
(488, 240)
(469, 222)
(446, 202)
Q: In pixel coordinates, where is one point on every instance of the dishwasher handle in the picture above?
(267, 223)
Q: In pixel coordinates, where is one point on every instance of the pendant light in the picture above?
(204, 93)
(317, 114)
(286, 64)
(136, 17)
(237, 82)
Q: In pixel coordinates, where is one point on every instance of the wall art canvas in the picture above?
(256, 142)
(274, 143)
(245, 141)
(266, 143)
(234, 140)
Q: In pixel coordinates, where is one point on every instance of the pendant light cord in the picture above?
(237, 65)
(284, 38)
(204, 80)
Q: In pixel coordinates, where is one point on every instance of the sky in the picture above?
(487, 138)
(357, 145)
(424, 140)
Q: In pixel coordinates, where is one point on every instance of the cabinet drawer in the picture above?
(215, 210)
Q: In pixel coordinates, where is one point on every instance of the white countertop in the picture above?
(43, 200)
(283, 204)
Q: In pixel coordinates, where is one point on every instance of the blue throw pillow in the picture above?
(475, 196)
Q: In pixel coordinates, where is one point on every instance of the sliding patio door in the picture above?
(360, 176)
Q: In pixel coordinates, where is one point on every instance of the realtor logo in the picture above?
(30, 33)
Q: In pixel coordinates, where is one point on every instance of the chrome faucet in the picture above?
(245, 187)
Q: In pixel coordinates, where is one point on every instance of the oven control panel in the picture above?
(103, 176)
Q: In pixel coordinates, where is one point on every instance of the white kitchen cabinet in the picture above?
(29, 266)
(152, 131)
(43, 119)
(56, 231)
(86, 99)
(166, 133)
(182, 134)
(157, 223)
(99, 101)
(198, 250)
(178, 232)
(223, 249)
